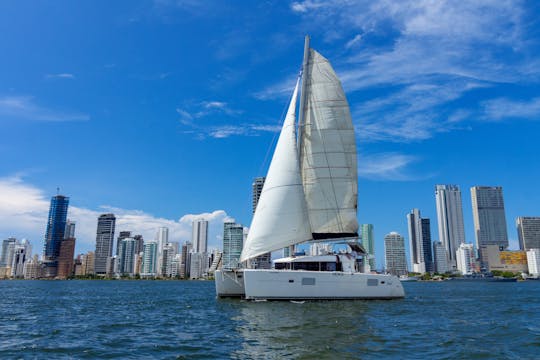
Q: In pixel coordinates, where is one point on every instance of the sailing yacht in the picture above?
(310, 195)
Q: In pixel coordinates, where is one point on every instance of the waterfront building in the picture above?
(421, 256)
(104, 242)
(504, 260)
(166, 262)
(89, 263)
(7, 251)
(32, 268)
(263, 261)
(533, 262)
(185, 262)
(465, 259)
(368, 242)
(126, 261)
(233, 241)
(440, 258)
(56, 226)
(489, 219)
(149, 264)
(21, 254)
(198, 262)
(450, 220)
(528, 228)
(65, 258)
(121, 236)
(394, 252)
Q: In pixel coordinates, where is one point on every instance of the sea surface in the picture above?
(184, 320)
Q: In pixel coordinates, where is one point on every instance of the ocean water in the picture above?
(184, 320)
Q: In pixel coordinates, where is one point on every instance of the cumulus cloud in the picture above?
(24, 210)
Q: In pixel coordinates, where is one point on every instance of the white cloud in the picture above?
(24, 210)
(502, 108)
(60, 76)
(385, 166)
(24, 107)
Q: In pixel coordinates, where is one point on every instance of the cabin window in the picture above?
(372, 282)
(328, 266)
(308, 281)
(311, 266)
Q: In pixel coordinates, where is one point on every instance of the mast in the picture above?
(303, 94)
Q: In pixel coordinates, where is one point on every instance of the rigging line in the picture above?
(272, 145)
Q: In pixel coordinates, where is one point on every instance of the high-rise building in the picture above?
(127, 258)
(416, 242)
(7, 251)
(32, 268)
(528, 228)
(440, 258)
(533, 262)
(56, 226)
(233, 240)
(166, 262)
(450, 219)
(257, 188)
(198, 261)
(104, 242)
(22, 253)
(394, 253)
(65, 258)
(149, 264)
(465, 259)
(426, 241)
(70, 229)
(263, 261)
(419, 242)
(185, 260)
(199, 236)
(123, 235)
(368, 242)
(489, 218)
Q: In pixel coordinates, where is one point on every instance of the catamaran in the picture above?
(310, 195)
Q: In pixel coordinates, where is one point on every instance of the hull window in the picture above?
(308, 281)
(372, 282)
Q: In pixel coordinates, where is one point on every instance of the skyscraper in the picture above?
(123, 235)
(65, 258)
(419, 242)
(199, 236)
(104, 242)
(127, 257)
(56, 226)
(489, 218)
(263, 261)
(233, 240)
(450, 219)
(394, 253)
(368, 241)
(528, 228)
(7, 245)
(149, 265)
(416, 243)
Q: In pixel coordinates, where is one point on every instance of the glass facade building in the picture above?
(56, 226)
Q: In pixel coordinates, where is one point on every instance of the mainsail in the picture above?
(327, 152)
(281, 218)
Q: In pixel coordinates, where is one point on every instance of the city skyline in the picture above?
(426, 111)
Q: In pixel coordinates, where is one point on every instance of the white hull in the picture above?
(229, 283)
(300, 285)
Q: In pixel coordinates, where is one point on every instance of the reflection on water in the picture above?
(323, 329)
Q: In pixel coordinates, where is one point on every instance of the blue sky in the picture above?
(161, 111)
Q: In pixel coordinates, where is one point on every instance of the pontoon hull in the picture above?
(229, 283)
(306, 285)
